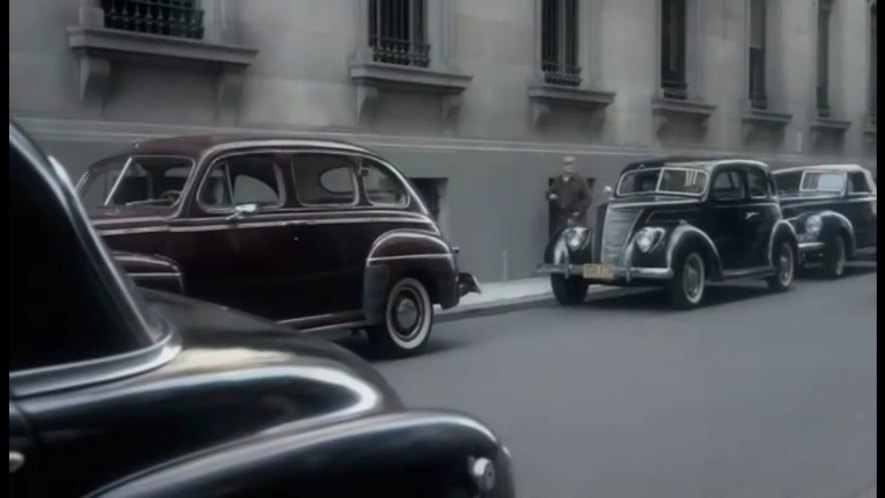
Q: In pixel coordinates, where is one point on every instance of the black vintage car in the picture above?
(678, 222)
(117, 392)
(311, 233)
(833, 209)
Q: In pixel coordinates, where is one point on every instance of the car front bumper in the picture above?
(619, 272)
(467, 283)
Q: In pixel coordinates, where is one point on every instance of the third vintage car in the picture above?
(833, 209)
(310, 233)
(678, 223)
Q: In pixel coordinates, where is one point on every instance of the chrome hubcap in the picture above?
(406, 314)
(786, 264)
(693, 276)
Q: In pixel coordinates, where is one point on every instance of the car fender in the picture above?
(833, 225)
(683, 235)
(782, 228)
(420, 253)
(396, 454)
(557, 252)
(152, 271)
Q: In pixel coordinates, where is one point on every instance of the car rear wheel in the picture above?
(689, 281)
(834, 258)
(784, 259)
(568, 291)
(407, 321)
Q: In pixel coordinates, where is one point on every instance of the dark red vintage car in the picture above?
(311, 233)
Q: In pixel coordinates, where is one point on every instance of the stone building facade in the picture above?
(476, 100)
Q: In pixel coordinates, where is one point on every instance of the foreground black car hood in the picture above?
(207, 325)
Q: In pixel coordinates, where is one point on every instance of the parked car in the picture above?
(833, 210)
(116, 392)
(310, 233)
(678, 223)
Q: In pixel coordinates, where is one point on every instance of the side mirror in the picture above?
(609, 191)
(241, 210)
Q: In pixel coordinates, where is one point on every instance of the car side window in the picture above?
(324, 179)
(248, 179)
(62, 310)
(857, 183)
(757, 183)
(729, 186)
(381, 186)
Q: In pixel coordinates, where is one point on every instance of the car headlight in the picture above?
(648, 237)
(576, 237)
(813, 225)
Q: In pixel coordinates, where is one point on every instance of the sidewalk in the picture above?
(511, 295)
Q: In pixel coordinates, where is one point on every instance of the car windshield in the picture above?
(680, 181)
(135, 180)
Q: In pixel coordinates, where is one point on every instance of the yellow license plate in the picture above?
(599, 272)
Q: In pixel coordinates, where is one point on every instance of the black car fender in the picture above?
(410, 453)
(152, 271)
(422, 254)
(833, 225)
(557, 251)
(687, 235)
(782, 229)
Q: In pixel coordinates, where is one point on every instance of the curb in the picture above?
(523, 303)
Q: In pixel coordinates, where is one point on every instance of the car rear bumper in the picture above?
(467, 283)
(620, 273)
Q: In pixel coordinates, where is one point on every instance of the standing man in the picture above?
(570, 194)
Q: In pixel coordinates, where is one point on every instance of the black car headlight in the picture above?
(576, 237)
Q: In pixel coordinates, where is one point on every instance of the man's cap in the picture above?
(567, 160)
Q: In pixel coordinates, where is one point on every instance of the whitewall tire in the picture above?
(406, 322)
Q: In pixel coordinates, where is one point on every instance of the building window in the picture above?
(824, 8)
(874, 88)
(673, 35)
(758, 99)
(176, 18)
(559, 42)
(397, 32)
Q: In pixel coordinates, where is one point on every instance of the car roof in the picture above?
(696, 162)
(823, 167)
(195, 146)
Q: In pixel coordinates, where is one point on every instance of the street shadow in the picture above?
(854, 269)
(359, 345)
(659, 300)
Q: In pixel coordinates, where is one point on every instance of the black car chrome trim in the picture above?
(406, 233)
(410, 256)
(36, 381)
(619, 271)
(810, 246)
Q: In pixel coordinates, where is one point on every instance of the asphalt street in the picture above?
(753, 395)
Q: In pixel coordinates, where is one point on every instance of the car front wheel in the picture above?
(568, 291)
(408, 319)
(834, 258)
(784, 259)
(689, 281)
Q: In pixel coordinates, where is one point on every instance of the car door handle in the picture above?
(751, 216)
(16, 461)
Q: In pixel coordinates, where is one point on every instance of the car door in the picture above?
(329, 228)
(236, 247)
(860, 209)
(760, 214)
(729, 222)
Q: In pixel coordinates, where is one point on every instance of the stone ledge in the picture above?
(760, 117)
(829, 125)
(543, 96)
(694, 109)
(372, 77)
(120, 44)
(98, 48)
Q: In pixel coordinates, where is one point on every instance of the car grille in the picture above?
(616, 232)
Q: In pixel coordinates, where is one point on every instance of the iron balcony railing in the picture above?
(400, 51)
(176, 18)
(559, 74)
